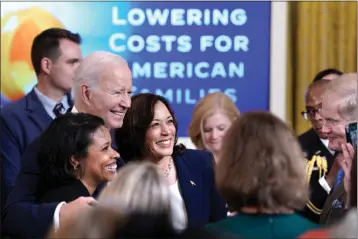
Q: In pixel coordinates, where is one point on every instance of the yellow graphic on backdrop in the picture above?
(18, 30)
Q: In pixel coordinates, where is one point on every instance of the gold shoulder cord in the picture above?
(309, 168)
(322, 166)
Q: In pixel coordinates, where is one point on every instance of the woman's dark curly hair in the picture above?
(130, 138)
(68, 136)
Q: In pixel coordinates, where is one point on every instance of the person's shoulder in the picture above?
(299, 220)
(198, 153)
(307, 134)
(201, 157)
(309, 142)
(219, 224)
(15, 107)
(230, 226)
(67, 191)
(307, 137)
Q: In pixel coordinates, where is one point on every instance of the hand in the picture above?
(346, 164)
(71, 210)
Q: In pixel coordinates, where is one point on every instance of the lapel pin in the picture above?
(192, 183)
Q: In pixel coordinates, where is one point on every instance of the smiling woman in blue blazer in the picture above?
(149, 132)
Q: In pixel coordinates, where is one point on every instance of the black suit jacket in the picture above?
(330, 215)
(20, 123)
(313, 148)
(66, 192)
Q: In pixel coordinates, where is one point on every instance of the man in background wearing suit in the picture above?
(314, 144)
(102, 87)
(55, 55)
(339, 108)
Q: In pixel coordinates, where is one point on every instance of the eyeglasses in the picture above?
(310, 113)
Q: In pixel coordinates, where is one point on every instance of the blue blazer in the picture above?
(197, 184)
(20, 123)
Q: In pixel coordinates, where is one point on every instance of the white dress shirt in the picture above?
(322, 181)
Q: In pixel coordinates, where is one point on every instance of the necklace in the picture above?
(167, 171)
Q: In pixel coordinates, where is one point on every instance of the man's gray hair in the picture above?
(344, 90)
(92, 67)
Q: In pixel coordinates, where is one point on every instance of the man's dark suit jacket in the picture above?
(313, 146)
(197, 184)
(329, 214)
(20, 123)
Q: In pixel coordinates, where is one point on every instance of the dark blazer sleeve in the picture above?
(66, 192)
(23, 216)
(217, 204)
(314, 206)
(9, 152)
(331, 215)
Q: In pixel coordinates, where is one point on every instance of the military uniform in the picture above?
(318, 163)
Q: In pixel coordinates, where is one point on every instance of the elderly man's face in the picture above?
(111, 98)
(334, 125)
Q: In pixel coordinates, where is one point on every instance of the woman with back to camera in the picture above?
(139, 188)
(75, 157)
(149, 132)
(261, 174)
(211, 119)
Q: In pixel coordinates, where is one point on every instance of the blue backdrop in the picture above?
(181, 50)
(247, 84)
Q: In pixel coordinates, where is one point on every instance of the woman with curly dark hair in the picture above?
(75, 157)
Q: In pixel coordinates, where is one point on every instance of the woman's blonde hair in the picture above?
(207, 106)
(138, 188)
(262, 165)
(97, 222)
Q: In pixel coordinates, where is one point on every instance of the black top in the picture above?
(68, 191)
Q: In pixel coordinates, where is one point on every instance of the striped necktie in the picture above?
(58, 109)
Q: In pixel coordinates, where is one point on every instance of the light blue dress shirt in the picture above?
(49, 104)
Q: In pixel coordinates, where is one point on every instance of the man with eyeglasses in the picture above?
(339, 109)
(314, 144)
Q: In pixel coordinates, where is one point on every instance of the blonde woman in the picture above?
(261, 175)
(139, 188)
(212, 117)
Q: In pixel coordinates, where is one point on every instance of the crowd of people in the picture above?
(83, 158)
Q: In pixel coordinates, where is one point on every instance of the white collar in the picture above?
(74, 110)
(325, 143)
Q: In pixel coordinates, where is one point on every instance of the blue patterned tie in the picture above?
(339, 178)
(58, 109)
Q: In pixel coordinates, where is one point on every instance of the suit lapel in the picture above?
(190, 182)
(37, 113)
